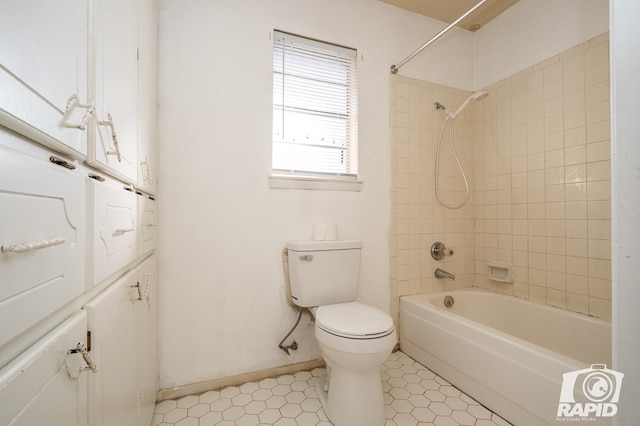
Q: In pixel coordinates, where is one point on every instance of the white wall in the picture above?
(222, 228)
(532, 31)
(625, 158)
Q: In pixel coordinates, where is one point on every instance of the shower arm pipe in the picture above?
(395, 68)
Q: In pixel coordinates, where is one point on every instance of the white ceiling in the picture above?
(450, 10)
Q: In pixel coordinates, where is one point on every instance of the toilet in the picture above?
(355, 339)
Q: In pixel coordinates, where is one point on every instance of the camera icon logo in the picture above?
(591, 392)
(598, 387)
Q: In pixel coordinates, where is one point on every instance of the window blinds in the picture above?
(315, 110)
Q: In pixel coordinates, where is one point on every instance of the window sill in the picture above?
(327, 184)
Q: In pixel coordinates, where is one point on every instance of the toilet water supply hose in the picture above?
(285, 266)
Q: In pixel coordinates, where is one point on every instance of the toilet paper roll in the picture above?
(325, 232)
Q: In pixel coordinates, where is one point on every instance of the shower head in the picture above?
(476, 96)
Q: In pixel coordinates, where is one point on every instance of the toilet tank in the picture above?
(323, 272)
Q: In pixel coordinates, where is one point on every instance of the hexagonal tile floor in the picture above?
(414, 396)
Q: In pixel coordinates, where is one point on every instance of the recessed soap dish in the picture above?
(500, 271)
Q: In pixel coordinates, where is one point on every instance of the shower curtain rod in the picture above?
(395, 68)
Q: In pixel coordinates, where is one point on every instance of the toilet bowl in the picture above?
(351, 393)
(354, 338)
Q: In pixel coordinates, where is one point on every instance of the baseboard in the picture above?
(200, 387)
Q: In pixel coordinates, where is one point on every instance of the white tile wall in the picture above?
(550, 125)
(417, 219)
(537, 151)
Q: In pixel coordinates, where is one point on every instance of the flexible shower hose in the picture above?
(455, 155)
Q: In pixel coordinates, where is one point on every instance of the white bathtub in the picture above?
(507, 353)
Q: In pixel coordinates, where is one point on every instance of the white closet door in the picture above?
(148, 367)
(43, 71)
(42, 240)
(148, 224)
(112, 322)
(114, 137)
(114, 229)
(37, 389)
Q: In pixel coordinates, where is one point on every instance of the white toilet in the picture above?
(355, 339)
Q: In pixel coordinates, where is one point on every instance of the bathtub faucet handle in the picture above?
(440, 273)
(439, 251)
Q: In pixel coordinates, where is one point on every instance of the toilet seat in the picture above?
(354, 320)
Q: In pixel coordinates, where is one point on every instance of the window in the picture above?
(315, 112)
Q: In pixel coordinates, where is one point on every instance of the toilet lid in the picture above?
(354, 320)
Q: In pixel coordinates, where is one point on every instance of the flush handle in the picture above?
(306, 257)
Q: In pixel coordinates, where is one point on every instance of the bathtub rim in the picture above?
(497, 400)
(460, 320)
(441, 310)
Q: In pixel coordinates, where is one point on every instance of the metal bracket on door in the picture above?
(74, 366)
(60, 162)
(137, 286)
(147, 290)
(74, 102)
(114, 137)
(32, 245)
(146, 171)
(123, 231)
(306, 257)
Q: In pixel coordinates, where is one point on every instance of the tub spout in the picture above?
(444, 274)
